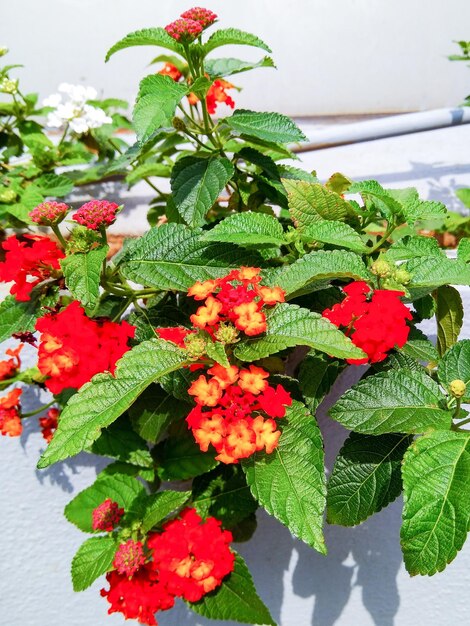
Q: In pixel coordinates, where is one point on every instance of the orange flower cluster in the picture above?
(237, 299)
(231, 410)
(10, 420)
(216, 95)
(10, 367)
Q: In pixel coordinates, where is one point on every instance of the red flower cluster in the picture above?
(374, 320)
(230, 411)
(10, 367)
(172, 71)
(73, 348)
(96, 214)
(237, 298)
(215, 95)
(107, 516)
(189, 558)
(205, 17)
(49, 424)
(10, 420)
(174, 334)
(184, 30)
(31, 257)
(48, 213)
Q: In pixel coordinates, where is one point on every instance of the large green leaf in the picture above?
(82, 273)
(236, 599)
(436, 509)
(196, 184)
(335, 233)
(159, 505)
(449, 317)
(106, 397)
(317, 375)
(120, 442)
(57, 185)
(455, 365)
(288, 326)
(317, 268)
(156, 104)
(93, 558)
(265, 126)
(393, 401)
(227, 67)
(366, 477)
(410, 247)
(430, 272)
(233, 36)
(312, 202)
(247, 229)
(173, 256)
(18, 317)
(179, 458)
(382, 199)
(290, 482)
(146, 37)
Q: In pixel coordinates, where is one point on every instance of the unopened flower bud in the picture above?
(178, 124)
(9, 86)
(195, 345)
(457, 388)
(7, 195)
(81, 240)
(381, 268)
(226, 333)
(3, 51)
(48, 213)
(402, 276)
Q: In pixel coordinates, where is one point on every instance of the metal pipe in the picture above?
(390, 126)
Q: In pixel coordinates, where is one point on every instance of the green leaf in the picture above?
(317, 375)
(383, 199)
(153, 411)
(463, 250)
(19, 317)
(421, 350)
(366, 477)
(94, 557)
(179, 458)
(145, 170)
(101, 401)
(236, 599)
(310, 203)
(288, 326)
(410, 247)
(430, 272)
(126, 490)
(417, 209)
(56, 185)
(455, 365)
(173, 256)
(248, 229)
(436, 501)
(335, 233)
(82, 272)
(449, 317)
(146, 37)
(217, 68)
(216, 351)
(393, 401)
(233, 36)
(156, 104)
(159, 505)
(290, 482)
(315, 269)
(266, 126)
(196, 184)
(224, 494)
(120, 442)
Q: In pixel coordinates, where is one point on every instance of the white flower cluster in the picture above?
(70, 107)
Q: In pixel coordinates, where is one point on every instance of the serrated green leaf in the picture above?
(247, 229)
(179, 458)
(93, 558)
(366, 477)
(317, 375)
(288, 172)
(224, 494)
(421, 350)
(124, 489)
(120, 442)
(417, 209)
(410, 247)
(196, 184)
(393, 401)
(383, 199)
(436, 501)
(463, 250)
(455, 365)
(235, 599)
(233, 36)
(449, 317)
(227, 67)
(177, 383)
(56, 185)
(159, 505)
(147, 169)
(146, 37)
(335, 233)
(153, 411)
(289, 325)
(101, 401)
(173, 256)
(31, 197)
(265, 126)
(82, 272)
(430, 272)
(20, 317)
(216, 351)
(312, 202)
(290, 482)
(156, 105)
(316, 269)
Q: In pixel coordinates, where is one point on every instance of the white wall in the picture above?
(345, 56)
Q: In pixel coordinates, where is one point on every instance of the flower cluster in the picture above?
(10, 367)
(49, 424)
(172, 71)
(29, 257)
(48, 213)
(96, 214)
(70, 107)
(231, 409)
(236, 299)
(73, 348)
(375, 320)
(205, 17)
(107, 516)
(216, 94)
(188, 559)
(10, 420)
(190, 24)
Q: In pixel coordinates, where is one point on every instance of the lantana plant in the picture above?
(202, 351)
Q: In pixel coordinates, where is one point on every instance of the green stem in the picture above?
(59, 235)
(382, 240)
(37, 411)
(463, 422)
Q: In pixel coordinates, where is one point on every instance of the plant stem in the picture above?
(59, 235)
(40, 410)
(382, 240)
